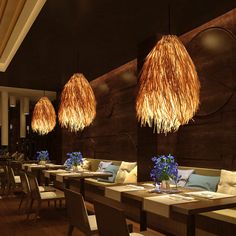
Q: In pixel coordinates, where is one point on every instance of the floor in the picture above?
(52, 220)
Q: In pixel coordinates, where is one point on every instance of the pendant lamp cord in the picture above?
(169, 18)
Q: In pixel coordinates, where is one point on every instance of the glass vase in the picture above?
(165, 185)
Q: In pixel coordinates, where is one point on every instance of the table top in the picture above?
(42, 167)
(65, 175)
(188, 208)
(204, 205)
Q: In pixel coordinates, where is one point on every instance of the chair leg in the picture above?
(70, 230)
(30, 208)
(38, 209)
(21, 201)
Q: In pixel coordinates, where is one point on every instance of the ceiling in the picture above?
(16, 18)
(95, 37)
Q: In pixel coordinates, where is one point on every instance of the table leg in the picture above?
(82, 187)
(143, 220)
(190, 224)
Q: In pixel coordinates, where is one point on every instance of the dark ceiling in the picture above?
(94, 37)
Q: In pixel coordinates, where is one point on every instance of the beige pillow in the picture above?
(131, 178)
(86, 164)
(227, 182)
(124, 170)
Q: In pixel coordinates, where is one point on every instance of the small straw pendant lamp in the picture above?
(169, 87)
(44, 117)
(78, 104)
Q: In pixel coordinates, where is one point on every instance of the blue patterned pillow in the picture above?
(112, 169)
(203, 182)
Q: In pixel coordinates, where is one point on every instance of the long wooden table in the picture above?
(66, 177)
(37, 169)
(184, 212)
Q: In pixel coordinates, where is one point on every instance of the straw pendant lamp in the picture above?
(169, 89)
(44, 117)
(78, 104)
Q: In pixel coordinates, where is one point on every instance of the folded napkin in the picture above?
(209, 194)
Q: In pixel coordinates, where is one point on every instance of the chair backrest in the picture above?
(25, 183)
(34, 187)
(76, 210)
(110, 220)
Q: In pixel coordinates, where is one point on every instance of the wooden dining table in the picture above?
(66, 177)
(175, 211)
(37, 169)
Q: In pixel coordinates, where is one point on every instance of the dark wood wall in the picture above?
(113, 134)
(209, 140)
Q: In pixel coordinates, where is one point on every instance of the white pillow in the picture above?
(123, 171)
(131, 178)
(227, 182)
(183, 176)
(103, 165)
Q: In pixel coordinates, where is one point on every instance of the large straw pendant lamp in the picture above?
(78, 105)
(44, 117)
(169, 87)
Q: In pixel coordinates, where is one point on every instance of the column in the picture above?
(4, 115)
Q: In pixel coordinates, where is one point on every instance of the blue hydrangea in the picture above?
(42, 155)
(75, 159)
(165, 168)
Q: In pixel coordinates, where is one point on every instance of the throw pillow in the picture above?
(203, 182)
(227, 182)
(103, 164)
(124, 169)
(86, 164)
(183, 176)
(131, 178)
(113, 170)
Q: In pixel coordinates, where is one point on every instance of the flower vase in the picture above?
(42, 163)
(165, 185)
(75, 168)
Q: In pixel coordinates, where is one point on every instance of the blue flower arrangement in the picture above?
(165, 168)
(42, 155)
(75, 159)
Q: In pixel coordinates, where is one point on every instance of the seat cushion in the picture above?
(92, 222)
(226, 215)
(227, 182)
(203, 182)
(17, 179)
(52, 195)
(124, 170)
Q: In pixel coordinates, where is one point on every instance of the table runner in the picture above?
(115, 191)
(160, 205)
(48, 172)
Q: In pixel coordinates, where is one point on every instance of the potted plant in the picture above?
(42, 157)
(74, 161)
(165, 169)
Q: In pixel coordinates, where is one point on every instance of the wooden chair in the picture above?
(38, 196)
(26, 192)
(77, 214)
(14, 181)
(111, 221)
(3, 178)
